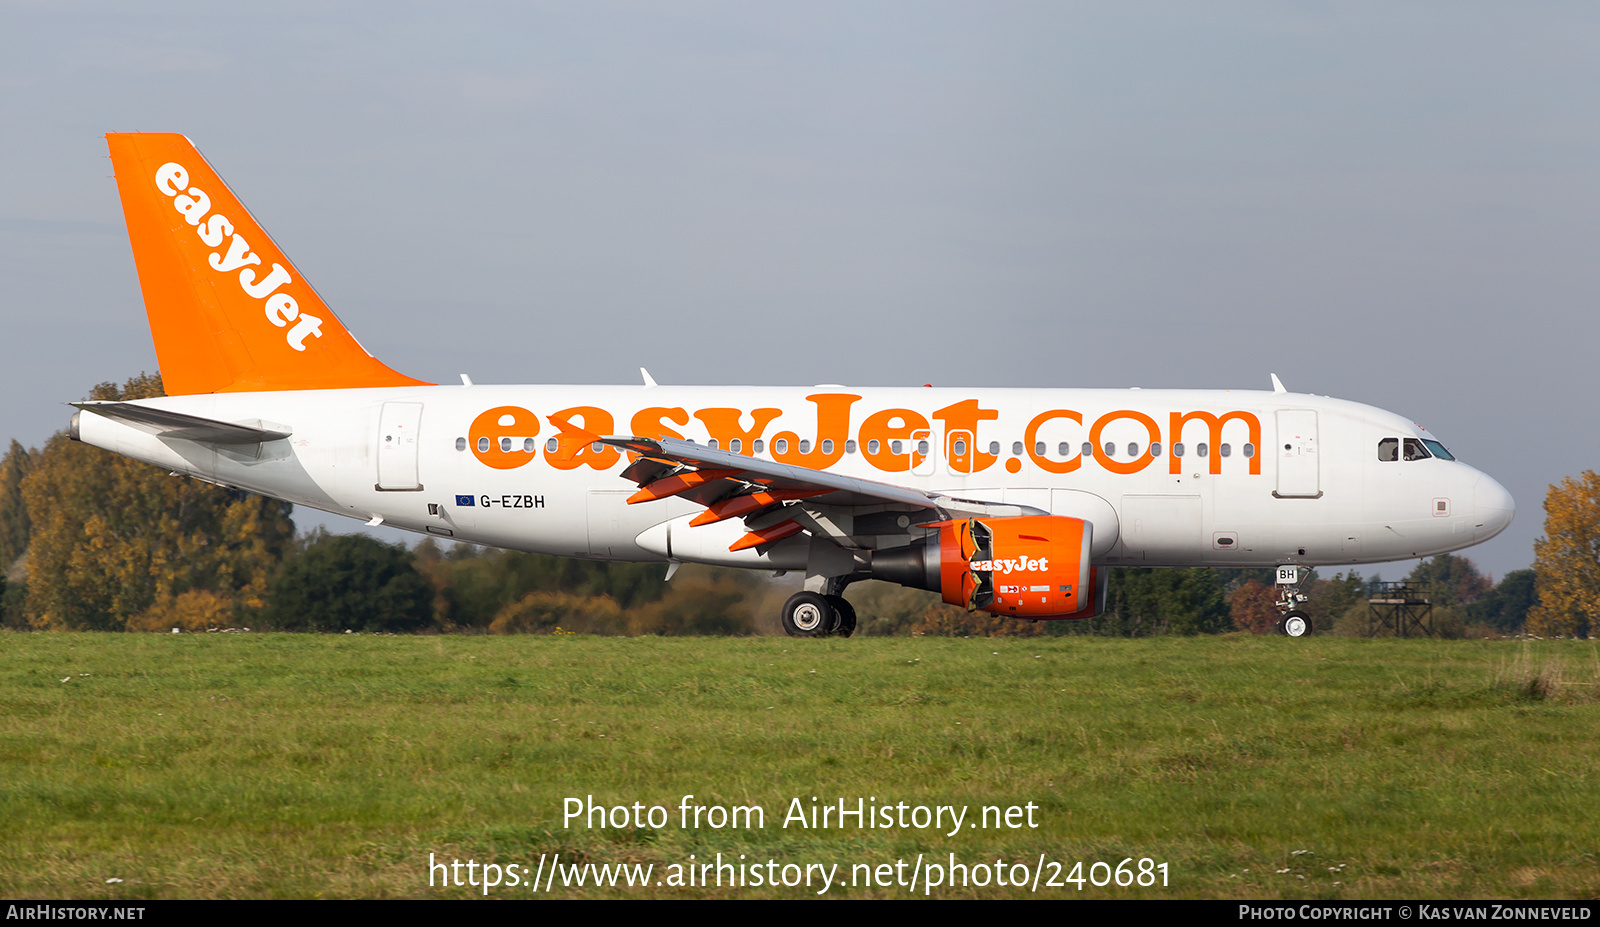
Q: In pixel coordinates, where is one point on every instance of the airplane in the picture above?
(1014, 501)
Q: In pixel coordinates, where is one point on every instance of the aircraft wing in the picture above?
(775, 499)
(673, 454)
(166, 424)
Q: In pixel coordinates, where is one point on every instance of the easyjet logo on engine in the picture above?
(172, 179)
(1004, 567)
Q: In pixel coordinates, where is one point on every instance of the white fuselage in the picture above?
(1265, 477)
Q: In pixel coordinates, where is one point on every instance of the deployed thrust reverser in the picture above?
(1031, 566)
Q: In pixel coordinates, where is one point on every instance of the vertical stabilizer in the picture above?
(228, 311)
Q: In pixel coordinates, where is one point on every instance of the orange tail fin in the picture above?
(228, 312)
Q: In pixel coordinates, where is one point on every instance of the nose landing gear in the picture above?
(1294, 622)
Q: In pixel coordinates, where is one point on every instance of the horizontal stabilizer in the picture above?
(166, 424)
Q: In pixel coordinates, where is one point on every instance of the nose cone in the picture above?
(1493, 508)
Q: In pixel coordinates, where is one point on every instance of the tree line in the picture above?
(97, 541)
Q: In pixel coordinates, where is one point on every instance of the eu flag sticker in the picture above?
(465, 500)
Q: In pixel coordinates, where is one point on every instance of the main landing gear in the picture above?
(819, 614)
(1294, 623)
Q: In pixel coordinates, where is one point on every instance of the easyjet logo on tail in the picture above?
(280, 308)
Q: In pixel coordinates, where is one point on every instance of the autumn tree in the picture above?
(1141, 602)
(1505, 607)
(473, 585)
(1567, 560)
(1328, 600)
(1450, 581)
(350, 582)
(112, 538)
(14, 524)
(1253, 607)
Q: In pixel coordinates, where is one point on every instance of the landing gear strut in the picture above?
(1294, 623)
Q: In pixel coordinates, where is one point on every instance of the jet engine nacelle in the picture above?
(1031, 566)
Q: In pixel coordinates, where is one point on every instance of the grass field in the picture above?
(253, 765)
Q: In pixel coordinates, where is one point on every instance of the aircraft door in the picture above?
(1297, 455)
(398, 426)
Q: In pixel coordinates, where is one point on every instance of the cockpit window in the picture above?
(1389, 449)
(1415, 451)
(1438, 450)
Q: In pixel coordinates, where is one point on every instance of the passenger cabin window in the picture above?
(1200, 449)
(960, 448)
(527, 445)
(1414, 450)
(850, 446)
(805, 445)
(483, 444)
(1133, 450)
(780, 446)
(1249, 450)
(1389, 449)
(994, 448)
(896, 447)
(713, 444)
(549, 446)
(1088, 449)
(735, 445)
(1155, 448)
(1177, 449)
(1225, 450)
(1111, 449)
(1038, 448)
(827, 445)
(1064, 449)
(872, 447)
(758, 445)
(1016, 449)
(461, 444)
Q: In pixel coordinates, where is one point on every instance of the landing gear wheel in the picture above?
(846, 623)
(1296, 624)
(809, 614)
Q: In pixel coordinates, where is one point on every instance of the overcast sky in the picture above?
(1397, 204)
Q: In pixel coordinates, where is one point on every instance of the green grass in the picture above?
(255, 765)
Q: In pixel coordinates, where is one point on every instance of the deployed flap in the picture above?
(165, 424)
(762, 492)
(772, 474)
(659, 456)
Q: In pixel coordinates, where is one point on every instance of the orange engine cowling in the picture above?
(1031, 566)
